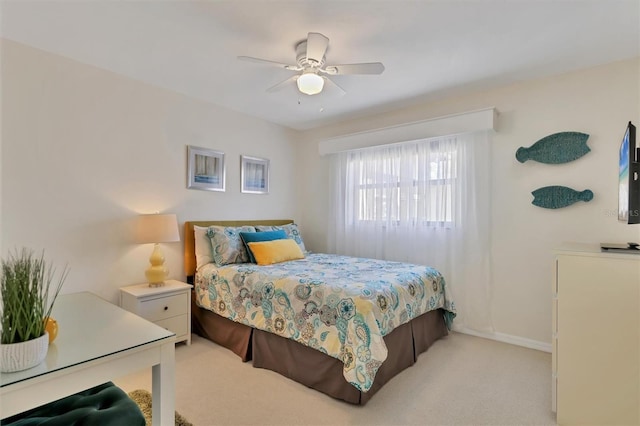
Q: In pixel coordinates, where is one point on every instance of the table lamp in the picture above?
(156, 228)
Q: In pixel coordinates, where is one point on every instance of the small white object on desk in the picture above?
(168, 306)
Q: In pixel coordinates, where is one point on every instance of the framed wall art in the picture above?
(206, 169)
(254, 175)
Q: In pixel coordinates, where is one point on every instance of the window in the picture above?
(404, 184)
(425, 202)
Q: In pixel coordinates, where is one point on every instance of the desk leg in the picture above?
(163, 387)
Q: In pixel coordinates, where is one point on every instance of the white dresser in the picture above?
(596, 336)
(168, 306)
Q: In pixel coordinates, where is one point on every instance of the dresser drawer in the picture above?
(164, 307)
(178, 325)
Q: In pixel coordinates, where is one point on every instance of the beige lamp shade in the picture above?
(156, 228)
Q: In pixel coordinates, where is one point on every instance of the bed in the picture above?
(332, 323)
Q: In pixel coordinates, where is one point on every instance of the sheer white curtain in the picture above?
(424, 202)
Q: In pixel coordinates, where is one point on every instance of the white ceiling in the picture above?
(430, 48)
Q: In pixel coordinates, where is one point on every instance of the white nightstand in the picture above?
(168, 306)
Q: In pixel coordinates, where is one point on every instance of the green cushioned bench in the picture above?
(104, 405)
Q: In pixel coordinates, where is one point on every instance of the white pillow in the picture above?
(204, 251)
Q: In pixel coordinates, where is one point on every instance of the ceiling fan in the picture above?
(310, 60)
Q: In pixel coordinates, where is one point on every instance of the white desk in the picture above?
(97, 342)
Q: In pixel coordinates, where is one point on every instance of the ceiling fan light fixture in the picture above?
(310, 83)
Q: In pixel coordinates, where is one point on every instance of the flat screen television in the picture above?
(629, 178)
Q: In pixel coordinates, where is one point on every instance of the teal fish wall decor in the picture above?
(557, 148)
(556, 197)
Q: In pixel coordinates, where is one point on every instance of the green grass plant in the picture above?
(28, 291)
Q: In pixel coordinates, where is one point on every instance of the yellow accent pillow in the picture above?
(276, 251)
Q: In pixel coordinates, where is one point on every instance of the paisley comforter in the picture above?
(342, 306)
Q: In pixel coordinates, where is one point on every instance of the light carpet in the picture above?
(460, 380)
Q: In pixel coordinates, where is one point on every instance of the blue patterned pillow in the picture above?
(291, 230)
(226, 244)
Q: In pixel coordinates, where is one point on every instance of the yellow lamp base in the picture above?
(156, 284)
(157, 272)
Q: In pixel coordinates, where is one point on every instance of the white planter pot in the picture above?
(23, 355)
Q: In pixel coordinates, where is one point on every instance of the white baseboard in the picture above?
(507, 338)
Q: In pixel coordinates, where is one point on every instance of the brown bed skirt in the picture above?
(311, 367)
(232, 335)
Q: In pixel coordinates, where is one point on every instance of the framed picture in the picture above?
(206, 169)
(254, 175)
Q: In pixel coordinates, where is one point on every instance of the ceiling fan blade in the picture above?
(316, 47)
(282, 84)
(265, 61)
(368, 68)
(334, 84)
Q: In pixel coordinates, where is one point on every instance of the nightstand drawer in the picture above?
(164, 307)
(178, 325)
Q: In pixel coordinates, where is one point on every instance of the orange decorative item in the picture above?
(52, 328)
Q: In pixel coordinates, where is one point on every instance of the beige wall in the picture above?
(84, 150)
(597, 101)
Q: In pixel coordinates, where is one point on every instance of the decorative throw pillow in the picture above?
(204, 253)
(227, 246)
(252, 237)
(291, 230)
(276, 251)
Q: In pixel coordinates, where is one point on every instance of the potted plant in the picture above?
(27, 294)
